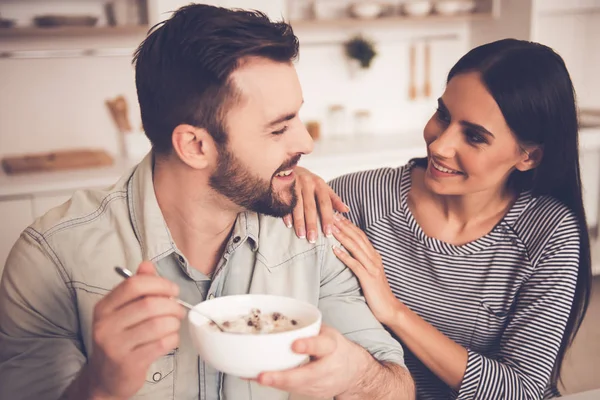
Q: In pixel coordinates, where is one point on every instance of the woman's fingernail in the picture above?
(301, 233)
(335, 249)
(328, 230)
(312, 237)
(336, 229)
(337, 216)
(288, 222)
(347, 208)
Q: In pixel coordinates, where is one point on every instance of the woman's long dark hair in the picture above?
(533, 89)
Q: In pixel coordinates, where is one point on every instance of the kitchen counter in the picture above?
(27, 196)
(330, 158)
(59, 181)
(326, 154)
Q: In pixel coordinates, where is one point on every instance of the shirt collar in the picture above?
(151, 228)
(146, 216)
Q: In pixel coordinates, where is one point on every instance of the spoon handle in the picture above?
(183, 303)
(125, 273)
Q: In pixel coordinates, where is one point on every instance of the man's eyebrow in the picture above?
(283, 118)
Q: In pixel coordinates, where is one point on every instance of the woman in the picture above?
(477, 257)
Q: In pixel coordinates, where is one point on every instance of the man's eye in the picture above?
(281, 131)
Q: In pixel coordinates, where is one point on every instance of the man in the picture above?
(219, 99)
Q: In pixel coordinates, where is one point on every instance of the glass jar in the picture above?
(336, 121)
(362, 122)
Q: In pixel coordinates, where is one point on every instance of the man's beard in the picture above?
(234, 181)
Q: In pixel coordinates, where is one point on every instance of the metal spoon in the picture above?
(125, 273)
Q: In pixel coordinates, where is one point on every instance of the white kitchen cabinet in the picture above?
(590, 166)
(567, 6)
(15, 215)
(571, 28)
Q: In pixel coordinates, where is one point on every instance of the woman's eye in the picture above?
(442, 116)
(475, 138)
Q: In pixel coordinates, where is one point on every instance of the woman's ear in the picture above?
(194, 146)
(531, 157)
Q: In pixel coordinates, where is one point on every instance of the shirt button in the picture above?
(181, 259)
(157, 376)
(237, 239)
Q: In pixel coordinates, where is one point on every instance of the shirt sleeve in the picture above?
(40, 349)
(345, 309)
(530, 343)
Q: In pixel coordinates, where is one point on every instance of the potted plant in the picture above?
(360, 52)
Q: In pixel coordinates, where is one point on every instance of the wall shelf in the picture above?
(387, 21)
(73, 31)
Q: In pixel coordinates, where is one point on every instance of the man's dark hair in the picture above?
(183, 67)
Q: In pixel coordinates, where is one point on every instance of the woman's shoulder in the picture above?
(372, 194)
(545, 210)
(545, 221)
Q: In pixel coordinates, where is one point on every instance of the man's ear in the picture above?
(194, 146)
(531, 157)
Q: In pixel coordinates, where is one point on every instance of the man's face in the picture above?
(265, 139)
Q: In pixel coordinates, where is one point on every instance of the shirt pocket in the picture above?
(289, 258)
(160, 379)
(492, 317)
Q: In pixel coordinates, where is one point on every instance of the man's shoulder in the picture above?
(278, 244)
(81, 237)
(86, 209)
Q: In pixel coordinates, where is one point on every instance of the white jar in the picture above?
(362, 122)
(337, 124)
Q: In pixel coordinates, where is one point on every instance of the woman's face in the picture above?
(470, 147)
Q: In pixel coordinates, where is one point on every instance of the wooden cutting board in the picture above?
(56, 161)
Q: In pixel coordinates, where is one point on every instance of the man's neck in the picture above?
(199, 223)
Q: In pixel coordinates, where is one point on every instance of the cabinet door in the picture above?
(15, 216)
(590, 165)
(566, 6)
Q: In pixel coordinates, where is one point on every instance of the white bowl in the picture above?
(326, 9)
(247, 355)
(367, 10)
(417, 8)
(452, 7)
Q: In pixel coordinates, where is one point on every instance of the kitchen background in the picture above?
(65, 69)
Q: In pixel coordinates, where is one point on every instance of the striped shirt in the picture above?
(505, 297)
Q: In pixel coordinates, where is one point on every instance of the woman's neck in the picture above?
(457, 219)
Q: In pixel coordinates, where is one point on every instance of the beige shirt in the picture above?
(63, 264)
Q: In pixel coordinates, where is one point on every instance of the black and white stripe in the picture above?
(505, 297)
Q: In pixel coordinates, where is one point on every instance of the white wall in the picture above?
(58, 103)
